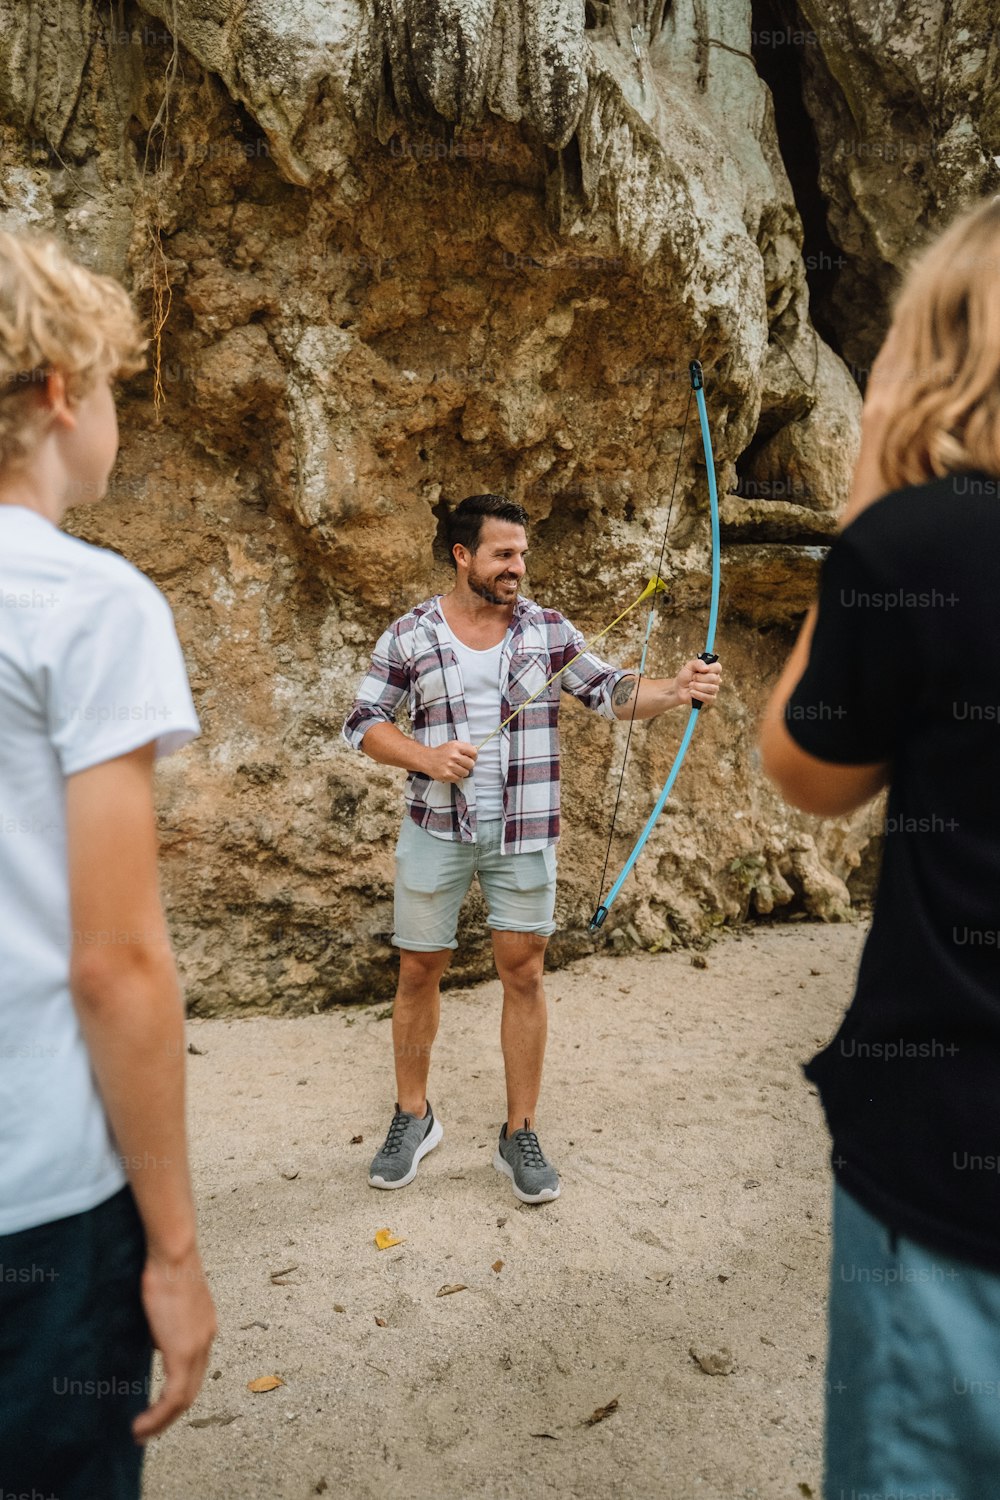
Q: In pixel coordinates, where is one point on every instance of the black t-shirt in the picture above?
(905, 668)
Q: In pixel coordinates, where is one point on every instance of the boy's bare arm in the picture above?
(125, 989)
(815, 786)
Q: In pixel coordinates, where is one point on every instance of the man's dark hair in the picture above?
(466, 521)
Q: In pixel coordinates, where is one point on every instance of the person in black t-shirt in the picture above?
(895, 682)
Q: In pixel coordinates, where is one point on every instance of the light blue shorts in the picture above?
(913, 1372)
(433, 877)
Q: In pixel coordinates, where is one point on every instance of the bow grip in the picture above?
(707, 657)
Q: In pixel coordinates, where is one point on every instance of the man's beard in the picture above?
(482, 587)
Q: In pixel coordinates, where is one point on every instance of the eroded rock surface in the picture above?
(905, 102)
(409, 250)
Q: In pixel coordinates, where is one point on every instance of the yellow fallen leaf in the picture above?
(497, 1265)
(446, 1291)
(265, 1383)
(385, 1239)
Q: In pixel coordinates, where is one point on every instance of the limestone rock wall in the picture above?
(905, 103)
(401, 251)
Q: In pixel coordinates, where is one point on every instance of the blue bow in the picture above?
(708, 655)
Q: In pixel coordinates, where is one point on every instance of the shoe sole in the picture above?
(428, 1143)
(545, 1196)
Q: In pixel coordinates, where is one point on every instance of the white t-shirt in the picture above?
(90, 668)
(481, 684)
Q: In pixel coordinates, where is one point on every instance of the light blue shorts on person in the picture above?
(433, 877)
(913, 1369)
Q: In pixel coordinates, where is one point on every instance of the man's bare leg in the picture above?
(520, 958)
(415, 1016)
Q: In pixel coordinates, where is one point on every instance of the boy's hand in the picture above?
(698, 682)
(451, 762)
(181, 1317)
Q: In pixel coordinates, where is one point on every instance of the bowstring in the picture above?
(639, 676)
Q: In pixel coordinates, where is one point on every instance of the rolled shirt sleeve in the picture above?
(385, 686)
(588, 678)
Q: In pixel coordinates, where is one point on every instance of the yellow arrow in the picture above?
(654, 586)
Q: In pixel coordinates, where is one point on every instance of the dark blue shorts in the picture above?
(75, 1355)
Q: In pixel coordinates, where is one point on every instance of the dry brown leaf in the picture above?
(385, 1239)
(497, 1265)
(381, 1323)
(600, 1412)
(356, 1140)
(339, 1307)
(453, 1286)
(285, 1271)
(265, 1383)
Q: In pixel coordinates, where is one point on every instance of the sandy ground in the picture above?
(694, 1212)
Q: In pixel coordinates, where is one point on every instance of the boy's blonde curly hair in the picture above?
(55, 315)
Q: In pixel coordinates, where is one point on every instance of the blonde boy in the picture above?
(98, 1255)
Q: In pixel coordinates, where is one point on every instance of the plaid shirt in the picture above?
(414, 659)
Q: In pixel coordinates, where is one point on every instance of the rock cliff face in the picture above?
(402, 251)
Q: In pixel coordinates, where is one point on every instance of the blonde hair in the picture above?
(942, 400)
(55, 315)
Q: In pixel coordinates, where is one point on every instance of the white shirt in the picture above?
(90, 668)
(481, 683)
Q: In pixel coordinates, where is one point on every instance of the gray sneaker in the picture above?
(520, 1157)
(408, 1140)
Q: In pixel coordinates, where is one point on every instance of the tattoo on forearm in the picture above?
(623, 692)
